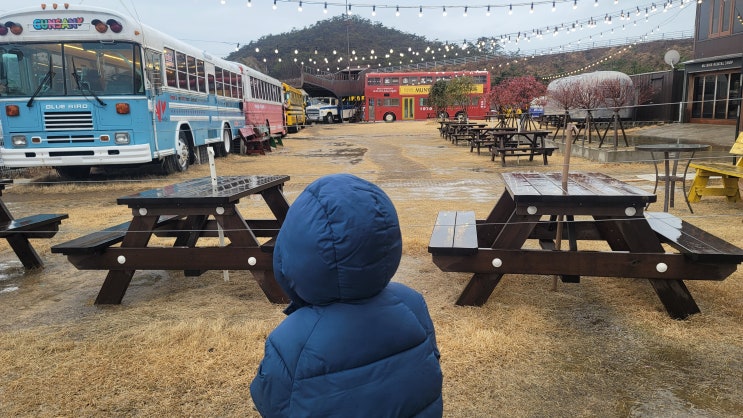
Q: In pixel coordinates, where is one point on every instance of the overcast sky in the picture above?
(217, 26)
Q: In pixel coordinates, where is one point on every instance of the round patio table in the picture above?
(671, 155)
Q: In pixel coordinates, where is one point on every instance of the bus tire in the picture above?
(329, 118)
(178, 162)
(74, 172)
(225, 147)
(389, 117)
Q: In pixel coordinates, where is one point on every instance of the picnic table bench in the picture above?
(17, 232)
(730, 175)
(254, 140)
(509, 144)
(596, 208)
(186, 212)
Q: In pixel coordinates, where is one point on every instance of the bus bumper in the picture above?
(90, 156)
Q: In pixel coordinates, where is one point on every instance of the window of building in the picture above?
(720, 22)
(715, 96)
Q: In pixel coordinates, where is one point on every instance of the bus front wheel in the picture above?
(389, 117)
(224, 148)
(178, 162)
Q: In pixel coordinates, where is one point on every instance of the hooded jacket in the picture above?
(353, 343)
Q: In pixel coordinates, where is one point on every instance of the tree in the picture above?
(564, 95)
(589, 95)
(437, 97)
(459, 90)
(616, 94)
(515, 93)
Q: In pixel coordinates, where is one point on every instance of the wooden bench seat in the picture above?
(730, 175)
(100, 240)
(694, 243)
(44, 225)
(455, 233)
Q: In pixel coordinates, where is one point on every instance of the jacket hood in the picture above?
(340, 241)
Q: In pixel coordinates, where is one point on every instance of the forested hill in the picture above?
(330, 44)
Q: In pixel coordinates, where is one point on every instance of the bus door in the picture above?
(371, 109)
(408, 104)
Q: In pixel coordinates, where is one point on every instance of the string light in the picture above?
(420, 11)
(444, 12)
(324, 10)
(274, 4)
(487, 13)
(465, 11)
(250, 3)
(553, 6)
(374, 10)
(299, 8)
(397, 11)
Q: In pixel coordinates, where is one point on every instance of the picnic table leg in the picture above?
(276, 201)
(25, 252)
(194, 227)
(623, 236)
(239, 234)
(478, 289)
(117, 281)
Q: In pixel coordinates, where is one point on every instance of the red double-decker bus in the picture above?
(404, 96)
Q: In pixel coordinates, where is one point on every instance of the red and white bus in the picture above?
(404, 96)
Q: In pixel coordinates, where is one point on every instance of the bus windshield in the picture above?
(70, 69)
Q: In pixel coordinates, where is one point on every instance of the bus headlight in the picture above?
(19, 140)
(121, 138)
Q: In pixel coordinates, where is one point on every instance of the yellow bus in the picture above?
(294, 103)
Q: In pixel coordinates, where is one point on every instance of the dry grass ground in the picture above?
(184, 346)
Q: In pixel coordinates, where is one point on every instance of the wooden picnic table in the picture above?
(186, 212)
(595, 207)
(520, 143)
(485, 136)
(18, 231)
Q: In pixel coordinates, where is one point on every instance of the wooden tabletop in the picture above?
(200, 191)
(583, 188)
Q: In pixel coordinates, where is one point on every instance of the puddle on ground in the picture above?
(10, 273)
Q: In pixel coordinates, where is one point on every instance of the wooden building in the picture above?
(713, 76)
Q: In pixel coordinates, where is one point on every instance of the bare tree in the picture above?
(564, 95)
(589, 97)
(617, 95)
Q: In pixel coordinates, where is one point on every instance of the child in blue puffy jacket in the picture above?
(353, 344)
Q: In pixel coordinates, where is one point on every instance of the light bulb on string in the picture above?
(444, 12)
(325, 9)
(299, 8)
(397, 11)
(250, 3)
(510, 9)
(487, 13)
(274, 4)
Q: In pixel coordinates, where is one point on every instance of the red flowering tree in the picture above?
(514, 95)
